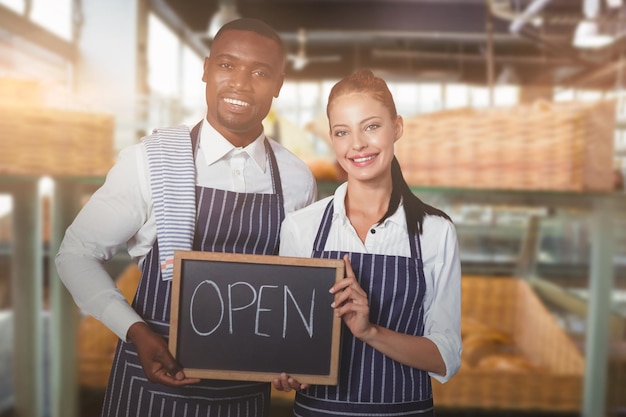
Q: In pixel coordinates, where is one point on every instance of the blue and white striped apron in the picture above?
(370, 383)
(225, 222)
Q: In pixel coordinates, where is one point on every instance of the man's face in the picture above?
(243, 74)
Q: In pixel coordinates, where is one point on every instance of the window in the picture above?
(163, 58)
(53, 15)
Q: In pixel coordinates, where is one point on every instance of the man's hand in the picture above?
(156, 360)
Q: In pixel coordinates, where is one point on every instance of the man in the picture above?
(223, 187)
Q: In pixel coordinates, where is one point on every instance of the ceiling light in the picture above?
(508, 76)
(614, 4)
(589, 35)
(226, 12)
(529, 14)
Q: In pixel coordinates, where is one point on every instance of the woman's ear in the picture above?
(399, 127)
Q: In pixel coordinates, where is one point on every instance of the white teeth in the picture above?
(236, 102)
(365, 159)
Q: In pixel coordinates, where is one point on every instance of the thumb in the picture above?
(173, 368)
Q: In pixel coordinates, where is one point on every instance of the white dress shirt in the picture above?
(121, 213)
(440, 256)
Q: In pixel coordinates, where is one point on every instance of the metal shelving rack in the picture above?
(600, 208)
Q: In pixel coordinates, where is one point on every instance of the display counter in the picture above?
(599, 210)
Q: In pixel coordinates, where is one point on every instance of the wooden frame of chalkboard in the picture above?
(251, 317)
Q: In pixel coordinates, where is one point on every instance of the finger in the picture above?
(277, 384)
(343, 284)
(348, 266)
(293, 383)
(355, 308)
(283, 382)
(341, 298)
(350, 294)
(164, 378)
(339, 286)
(349, 273)
(171, 366)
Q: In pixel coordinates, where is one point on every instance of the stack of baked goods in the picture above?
(487, 348)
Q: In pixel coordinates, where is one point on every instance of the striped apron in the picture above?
(225, 222)
(370, 383)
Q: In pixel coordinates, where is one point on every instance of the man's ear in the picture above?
(279, 85)
(205, 68)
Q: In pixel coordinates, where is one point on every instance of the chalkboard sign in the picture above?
(251, 317)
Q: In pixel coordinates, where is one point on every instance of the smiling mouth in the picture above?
(236, 102)
(363, 159)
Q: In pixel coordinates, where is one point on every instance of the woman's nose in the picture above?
(358, 143)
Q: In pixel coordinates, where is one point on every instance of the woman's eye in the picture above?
(340, 133)
(372, 127)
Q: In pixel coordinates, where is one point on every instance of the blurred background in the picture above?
(515, 125)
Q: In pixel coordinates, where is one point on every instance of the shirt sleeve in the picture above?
(311, 191)
(112, 216)
(443, 320)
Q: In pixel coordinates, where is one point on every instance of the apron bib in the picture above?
(225, 222)
(370, 383)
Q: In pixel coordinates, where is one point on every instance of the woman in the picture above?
(401, 298)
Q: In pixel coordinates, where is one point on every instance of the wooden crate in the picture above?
(510, 306)
(47, 141)
(564, 146)
(21, 90)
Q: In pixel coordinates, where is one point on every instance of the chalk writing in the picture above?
(246, 296)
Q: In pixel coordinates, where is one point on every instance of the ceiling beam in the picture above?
(21, 26)
(165, 12)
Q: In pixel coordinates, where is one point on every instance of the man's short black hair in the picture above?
(252, 25)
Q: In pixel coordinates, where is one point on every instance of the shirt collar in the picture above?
(214, 146)
(339, 209)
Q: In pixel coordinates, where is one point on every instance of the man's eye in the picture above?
(260, 74)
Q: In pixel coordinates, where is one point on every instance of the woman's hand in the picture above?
(351, 303)
(156, 360)
(286, 383)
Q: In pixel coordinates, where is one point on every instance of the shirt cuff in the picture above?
(451, 357)
(118, 317)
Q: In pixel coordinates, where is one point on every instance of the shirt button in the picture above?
(373, 231)
(237, 172)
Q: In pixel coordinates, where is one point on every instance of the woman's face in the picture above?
(363, 133)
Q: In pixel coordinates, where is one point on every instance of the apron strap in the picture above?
(275, 173)
(324, 228)
(195, 138)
